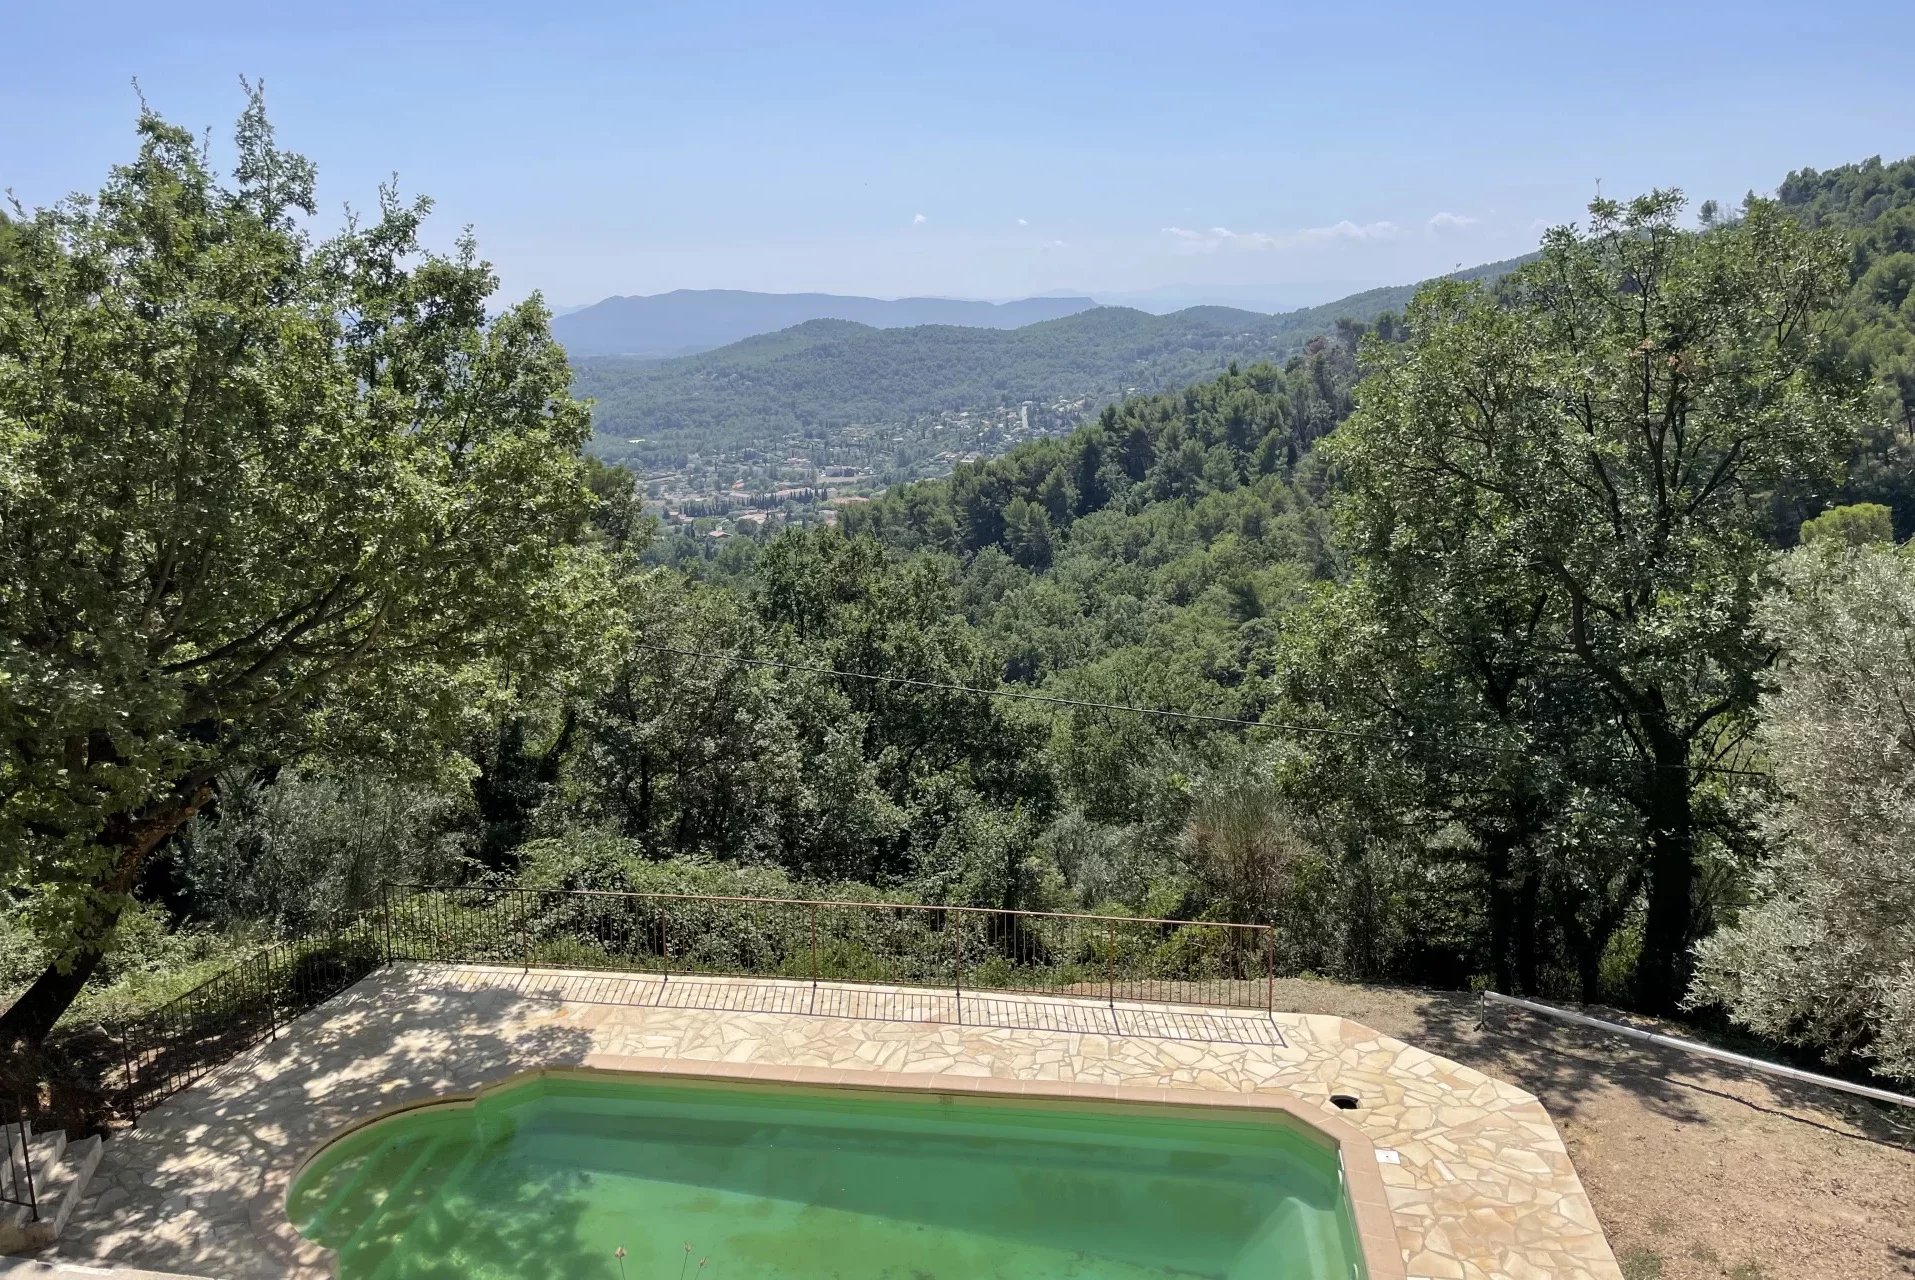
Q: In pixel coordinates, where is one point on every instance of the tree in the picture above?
(1823, 957)
(1855, 525)
(690, 756)
(1554, 493)
(1460, 741)
(260, 496)
(1241, 844)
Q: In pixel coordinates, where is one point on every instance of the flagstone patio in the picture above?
(1475, 1178)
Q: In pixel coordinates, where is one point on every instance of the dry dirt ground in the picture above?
(1699, 1170)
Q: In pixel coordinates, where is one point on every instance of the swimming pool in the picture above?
(669, 1178)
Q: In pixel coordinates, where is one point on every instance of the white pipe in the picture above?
(1702, 1050)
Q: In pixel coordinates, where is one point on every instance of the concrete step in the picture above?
(47, 1150)
(61, 1171)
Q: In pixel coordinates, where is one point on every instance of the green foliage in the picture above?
(1555, 499)
(1874, 329)
(259, 496)
(1822, 957)
(819, 378)
(831, 777)
(1243, 846)
(150, 959)
(618, 516)
(823, 376)
(296, 849)
(687, 914)
(1855, 525)
(1106, 868)
(294, 529)
(1209, 440)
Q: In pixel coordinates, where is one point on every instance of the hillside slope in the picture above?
(689, 320)
(827, 374)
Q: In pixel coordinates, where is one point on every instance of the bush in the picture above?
(149, 961)
(1822, 957)
(305, 847)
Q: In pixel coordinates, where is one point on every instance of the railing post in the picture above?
(665, 936)
(126, 1060)
(957, 959)
(1110, 966)
(26, 1159)
(525, 942)
(385, 919)
(814, 943)
(1270, 974)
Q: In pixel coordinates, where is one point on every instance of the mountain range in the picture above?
(690, 320)
(829, 373)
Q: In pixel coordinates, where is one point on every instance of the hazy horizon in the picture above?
(995, 151)
(1166, 298)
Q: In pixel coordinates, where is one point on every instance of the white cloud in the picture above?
(1447, 221)
(1184, 240)
(1023, 222)
(918, 219)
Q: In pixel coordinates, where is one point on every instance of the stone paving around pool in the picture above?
(1477, 1181)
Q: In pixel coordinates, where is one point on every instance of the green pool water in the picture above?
(550, 1177)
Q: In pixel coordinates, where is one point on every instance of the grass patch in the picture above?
(150, 962)
(1640, 1264)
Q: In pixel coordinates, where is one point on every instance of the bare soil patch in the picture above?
(1699, 1170)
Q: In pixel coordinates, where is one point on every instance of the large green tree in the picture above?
(260, 495)
(1555, 496)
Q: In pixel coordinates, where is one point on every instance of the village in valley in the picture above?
(807, 479)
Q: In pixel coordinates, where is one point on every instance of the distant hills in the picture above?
(827, 374)
(690, 320)
(815, 378)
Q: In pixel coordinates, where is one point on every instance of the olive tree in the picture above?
(262, 494)
(1825, 957)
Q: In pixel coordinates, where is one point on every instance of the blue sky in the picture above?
(1286, 151)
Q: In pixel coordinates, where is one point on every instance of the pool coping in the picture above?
(1372, 1219)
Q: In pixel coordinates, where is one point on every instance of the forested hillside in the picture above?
(821, 376)
(1874, 205)
(830, 374)
(1467, 642)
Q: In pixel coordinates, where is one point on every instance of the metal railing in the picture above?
(16, 1177)
(171, 1046)
(679, 935)
(837, 940)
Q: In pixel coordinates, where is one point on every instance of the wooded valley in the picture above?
(1546, 631)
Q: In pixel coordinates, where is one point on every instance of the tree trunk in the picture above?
(1589, 968)
(31, 1017)
(1585, 948)
(645, 806)
(1662, 972)
(132, 836)
(1502, 925)
(1528, 950)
